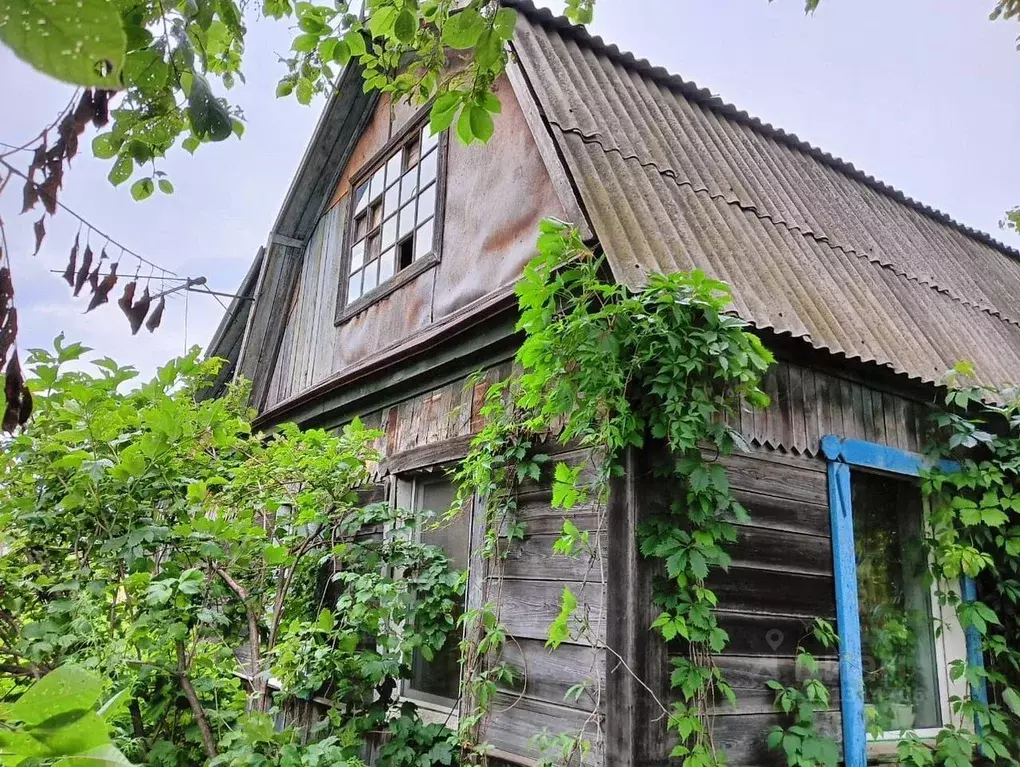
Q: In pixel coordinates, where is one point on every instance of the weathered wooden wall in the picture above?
(781, 578)
(495, 196)
(434, 428)
(808, 403)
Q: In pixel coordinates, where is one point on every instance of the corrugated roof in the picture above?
(673, 178)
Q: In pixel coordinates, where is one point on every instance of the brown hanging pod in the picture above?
(136, 315)
(72, 263)
(83, 271)
(102, 291)
(157, 315)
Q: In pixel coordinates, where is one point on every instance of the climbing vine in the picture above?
(606, 368)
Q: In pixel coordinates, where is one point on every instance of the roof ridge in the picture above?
(819, 237)
(705, 97)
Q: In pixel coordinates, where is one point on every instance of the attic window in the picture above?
(394, 212)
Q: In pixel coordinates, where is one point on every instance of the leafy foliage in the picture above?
(609, 368)
(149, 536)
(800, 740)
(58, 718)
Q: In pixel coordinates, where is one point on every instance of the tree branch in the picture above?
(205, 731)
(255, 652)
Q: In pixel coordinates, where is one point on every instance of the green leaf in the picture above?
(444, 110)
(82, 43)
(406, 26)
(121, 170)
(209, 117)
(190, 144)
(165, 186)
(142, 189)
(103, 756)
(505, 22)
(481, 123)
(305, 43)
(1011, 699)
(63, 690)
(275, 554)
(146, 70)
(305, 91)
(356, 42)
(104, 146)
(463, 29)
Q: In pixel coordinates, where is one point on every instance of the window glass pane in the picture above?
(378, 183)
(441, 676)
(428, 167)
(371, 272)
(375, 215)
(386, 266)
(409, 186)
(406, 220)
(389, 232)
(894, 596)
(392, 200)
(354, 287)
(423, 240)
(393, 169)
(360, 226)
(357, 255)
(412, 151)
(361, 198)
(373, 247)
(427, 203)
(427, 139)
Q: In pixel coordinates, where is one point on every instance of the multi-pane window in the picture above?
(394, 209)
(898, 642)
(439, 679)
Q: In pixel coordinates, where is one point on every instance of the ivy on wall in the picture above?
(608, 368)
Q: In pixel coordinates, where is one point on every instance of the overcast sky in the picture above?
(922, 94)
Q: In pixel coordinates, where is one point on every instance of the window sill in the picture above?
(375, 295)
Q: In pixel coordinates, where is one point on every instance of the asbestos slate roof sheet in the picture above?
(673, 178)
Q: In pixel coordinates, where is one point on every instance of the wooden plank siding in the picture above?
(433, 429)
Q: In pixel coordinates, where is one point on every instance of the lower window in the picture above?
(438, 680)
(901, 656)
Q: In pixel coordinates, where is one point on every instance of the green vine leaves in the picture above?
(173, 61)
(146, 533)
(608, 368)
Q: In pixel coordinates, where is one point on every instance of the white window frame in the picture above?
(434, 708)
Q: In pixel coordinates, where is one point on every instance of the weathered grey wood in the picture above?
(515, 724)
(742, 737)
(637, 663)
(754, 590)
(427, 455)
(775, 512)
(534, 558)
(782, 551)
(748, 675)
(528, 607)
(799, 479)
(546, 674)
(770, 635)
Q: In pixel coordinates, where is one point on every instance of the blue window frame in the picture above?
(842, 455)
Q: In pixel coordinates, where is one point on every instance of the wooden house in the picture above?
(387, 281)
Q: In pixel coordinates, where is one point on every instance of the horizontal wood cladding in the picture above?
(779, 580)
(544, 674)
(806, 404)
(516, 721)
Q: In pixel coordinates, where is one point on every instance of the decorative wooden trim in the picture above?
(426, 456)
(842, 454)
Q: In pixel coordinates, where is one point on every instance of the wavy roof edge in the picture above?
(694, 92)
